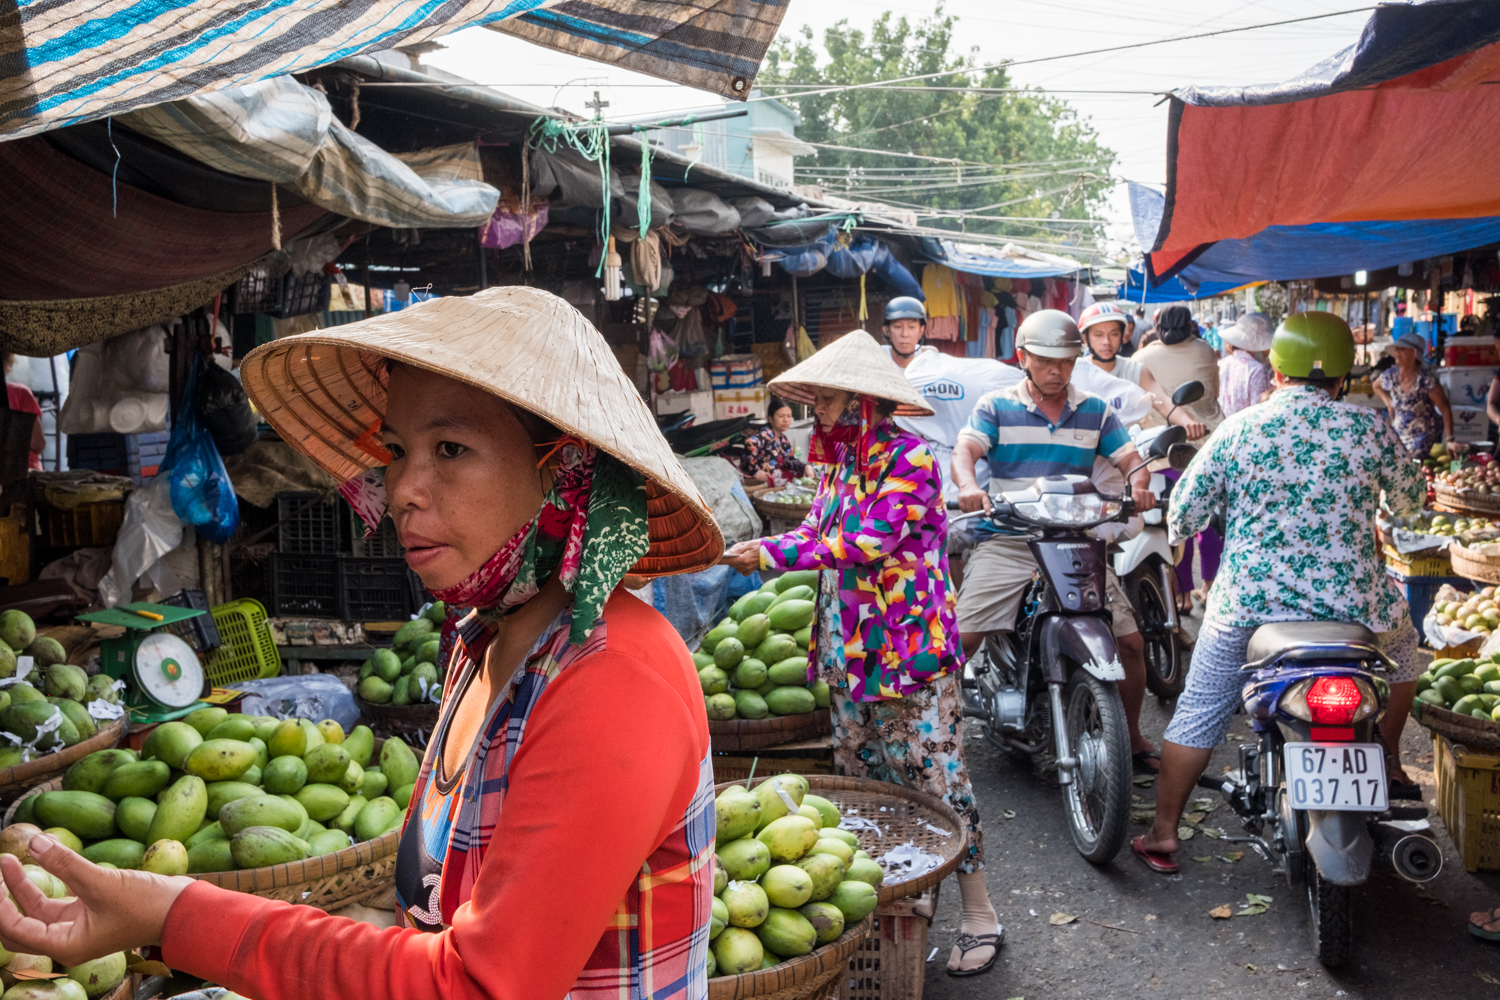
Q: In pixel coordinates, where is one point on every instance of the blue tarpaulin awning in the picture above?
(1172, 290)
(1009, 261)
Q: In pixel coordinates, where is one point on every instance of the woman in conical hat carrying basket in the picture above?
(567, 792)
(886, 640)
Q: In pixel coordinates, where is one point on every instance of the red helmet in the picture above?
(1102, 312)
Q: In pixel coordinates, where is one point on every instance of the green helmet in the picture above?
(1311, 344)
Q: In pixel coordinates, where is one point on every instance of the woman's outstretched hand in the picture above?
(112, 911)
(743, 556)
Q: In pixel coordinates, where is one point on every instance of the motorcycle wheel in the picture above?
(1097, 800)
(1329, 921)
(1166, 671)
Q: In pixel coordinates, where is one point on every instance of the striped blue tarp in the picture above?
(281, 131)
(69, 61)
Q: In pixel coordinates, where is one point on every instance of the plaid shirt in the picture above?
(657, 944)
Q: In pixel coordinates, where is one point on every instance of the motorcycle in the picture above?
(1051, 684)
(1312, 790)
(1147, 566)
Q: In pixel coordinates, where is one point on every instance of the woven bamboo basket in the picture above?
(16, 780)
(774, 508)
(1460, 730)
(1467, 501)
(816, 976)
(762, 734)
(902, 814)
(1473, 565)
(413, 723)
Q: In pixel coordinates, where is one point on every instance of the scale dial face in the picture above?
(167, 670)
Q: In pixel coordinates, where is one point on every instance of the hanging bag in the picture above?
(201, 492)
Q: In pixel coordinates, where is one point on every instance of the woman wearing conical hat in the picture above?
(886, 640)
(560, 832)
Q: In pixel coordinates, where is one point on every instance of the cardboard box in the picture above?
(732, 403)
(700, 404)
(1466, 385)
(1470, 424)
(736, 371)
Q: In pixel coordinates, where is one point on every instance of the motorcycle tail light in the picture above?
(1330, 701)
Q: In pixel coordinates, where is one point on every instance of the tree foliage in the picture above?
(1025, 154)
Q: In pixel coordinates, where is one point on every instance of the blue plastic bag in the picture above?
(201, 492)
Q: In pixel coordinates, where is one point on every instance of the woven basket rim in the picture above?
(750, 734)
(1484, 503)
(907, 887)
(1474, 566)
(1462, 730)
(809, 969)
(34, 771)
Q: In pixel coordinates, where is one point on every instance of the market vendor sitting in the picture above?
(769, 455)
(885, 640)
(567, 791)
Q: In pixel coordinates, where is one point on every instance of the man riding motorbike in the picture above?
(1043, 426)
(1302, 476)
(1103, 328)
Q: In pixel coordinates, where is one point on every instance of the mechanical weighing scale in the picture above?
(162, 674)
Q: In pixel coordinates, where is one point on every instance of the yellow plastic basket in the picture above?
(248, 651)
(1468, 787)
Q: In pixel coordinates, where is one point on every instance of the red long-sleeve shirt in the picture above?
(612, 759)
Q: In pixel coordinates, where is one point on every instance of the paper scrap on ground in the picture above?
(908, 861)
(856, 823)
(1058, 919)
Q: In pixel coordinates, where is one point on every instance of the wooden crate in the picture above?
(806, 757)
(891, 963)
(15, 547)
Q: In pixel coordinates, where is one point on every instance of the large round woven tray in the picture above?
(1461, 730)
(775, 508)
(1473, 565)
(327, 882)
(15, 780)
(761, 734)
(815, 976)
(1467, 501)
(902, 814)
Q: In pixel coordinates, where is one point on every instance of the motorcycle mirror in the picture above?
(1180, 455)
(1161, 446)
(1187, 392)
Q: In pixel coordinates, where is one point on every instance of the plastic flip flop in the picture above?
(1157, 861)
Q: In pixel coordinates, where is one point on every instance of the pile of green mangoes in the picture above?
(1468, 687)
(408, 673)
(28, 710)
(217, 792)
(754, 662)
(86, 981)
(786, 878)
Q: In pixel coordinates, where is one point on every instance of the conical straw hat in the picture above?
(323, 391)
(855, 363)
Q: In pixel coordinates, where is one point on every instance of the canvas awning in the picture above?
(1386, 142)
(69, 61)
(1008, 261)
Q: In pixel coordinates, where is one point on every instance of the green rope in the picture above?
(591, 141)
(643, 194)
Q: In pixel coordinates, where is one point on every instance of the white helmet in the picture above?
(1050, 333)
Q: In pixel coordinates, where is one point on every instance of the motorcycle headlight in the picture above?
(1069, 509)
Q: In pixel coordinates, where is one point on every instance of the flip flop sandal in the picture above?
(1478, 929)
(1157, 861)
(973, 942)
(1140, 757)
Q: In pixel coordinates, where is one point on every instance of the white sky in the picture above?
(1130, 124)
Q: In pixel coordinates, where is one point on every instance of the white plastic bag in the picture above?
(150, 531)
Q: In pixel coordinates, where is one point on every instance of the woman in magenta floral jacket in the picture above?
(886, 640)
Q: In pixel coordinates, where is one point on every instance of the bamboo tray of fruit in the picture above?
(1460, 699)
(285, 809)
(753, 669)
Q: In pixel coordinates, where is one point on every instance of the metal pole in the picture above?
(484, 277)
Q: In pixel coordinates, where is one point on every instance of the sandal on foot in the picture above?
(1140, 757)
(1478, 930)
(973, 942)
(1157, 861)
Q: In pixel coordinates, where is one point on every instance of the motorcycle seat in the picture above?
(1271, 639)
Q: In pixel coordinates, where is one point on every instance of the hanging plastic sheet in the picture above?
(202, 494)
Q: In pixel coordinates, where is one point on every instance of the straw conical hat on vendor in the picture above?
(856, 364)
(325, 394)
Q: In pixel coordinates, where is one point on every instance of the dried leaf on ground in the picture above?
(1255, 904)
(1195, 818)
(1221, 912)
(1488, 978)
(1212, 831)
(1058, 919)
(1203, 860)
(1185, 833)
(1144, 779)
(1233, 856)
(1009, 814)
(1143, 817)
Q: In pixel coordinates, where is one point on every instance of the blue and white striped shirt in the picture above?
(1021, 444)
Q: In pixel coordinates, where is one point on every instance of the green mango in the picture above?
(24, 692)
(165, 857)
(353, 779)
(210, 831)
(45, 651)
(775, 649)
(737, 609)
(408, 665)
(397, 762)
(171, 742)
(205, 719)
(749, 705)
(701, 660)
(1448, 687)
(264, 846)
(63, 680)
(133, 815)
(713, 680)
(180, 810)
(100, 977)
(786, 933)
(327, 763)
(753, 631)
(220, 760)
(374, 784)
(826, 872)
(716, 635)
(410, 632)
(384, 664)
(422, 683)
(119, 852)
(801, 592)
(428, 652)
(323, 801)
(377, 815)
(24, 719)
(865, 870)
(796, 578)
(790, 615)
(91, 773)
(792, 670)
(262, 810)
(26, 809)
(265, 728)
(376, 691)
(360, 744)
(345, 820)
(1471, 684)
(855, 900)
(401, 693)
(289, 740)
(234, 727)
(1431, 697)
(803, 636)
(141, 779)
(437, 613)
(221, 793)
(728, 653)
(314, 735)
(211, 856)
(328, 842)
(89, 815)
(79, 716)
(737, 951)
(101, 687)
(737, 813)
(820, 693)
(759, 601)
(826, 921)
(791, 701)
(749, 675)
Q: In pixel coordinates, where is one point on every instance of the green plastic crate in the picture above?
(248, 651)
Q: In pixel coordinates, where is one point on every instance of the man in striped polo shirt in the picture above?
(1043, 426)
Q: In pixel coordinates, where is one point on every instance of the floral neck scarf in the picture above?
(591, 529)
(856, 426)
